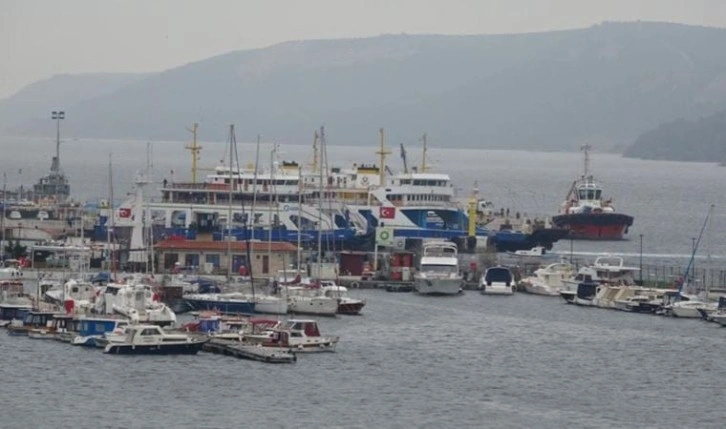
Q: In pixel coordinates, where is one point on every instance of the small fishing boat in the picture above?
(33, 320)
(10, 312)
(498, 281)
(151, 339)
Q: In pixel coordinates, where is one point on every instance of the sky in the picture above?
(42, 38)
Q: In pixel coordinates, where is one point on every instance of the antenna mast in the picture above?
(194, 149)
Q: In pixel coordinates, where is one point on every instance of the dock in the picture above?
(241, 351)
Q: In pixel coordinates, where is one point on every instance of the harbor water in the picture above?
(411, 361)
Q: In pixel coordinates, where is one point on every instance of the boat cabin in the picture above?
(90, 326)
(13, 311)
(302, 328)
(498, 274)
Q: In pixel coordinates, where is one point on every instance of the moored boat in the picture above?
(151, 339)
(497, 280)
(297, 335)
(438, 272)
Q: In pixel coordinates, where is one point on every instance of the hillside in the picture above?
(606, 84)
(683, 140)
(36, 101)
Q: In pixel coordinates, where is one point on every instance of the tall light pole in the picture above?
(57, 116)
(641, 259)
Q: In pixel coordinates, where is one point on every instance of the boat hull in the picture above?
(181, 348)
(350, 308)
(595, 226)
(426, 286)
(221, 306)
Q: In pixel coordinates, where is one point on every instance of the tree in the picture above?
(16, 250)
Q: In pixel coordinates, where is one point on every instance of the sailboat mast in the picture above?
(320, 203)
(299, 216)
(251, 218)
(110, 221)
(273, 189)
(229, 206)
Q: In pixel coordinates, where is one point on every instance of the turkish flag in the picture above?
(387, 212)
(124, 212)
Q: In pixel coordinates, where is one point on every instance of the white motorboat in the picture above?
(549, 280)
(346, 304)
(605, 270)
(498, 281)
(135, 301)
(438, 272)
(151, 339)
(690, 309)
(310, 300)
(297, 335)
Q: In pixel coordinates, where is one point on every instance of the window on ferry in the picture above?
(149, 331)
(597, 194)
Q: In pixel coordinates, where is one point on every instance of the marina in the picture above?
(209, 273)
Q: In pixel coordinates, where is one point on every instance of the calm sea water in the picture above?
(410, 361)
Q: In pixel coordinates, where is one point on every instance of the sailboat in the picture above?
(689, 305)
(311, 299)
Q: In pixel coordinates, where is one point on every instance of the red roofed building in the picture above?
(211, 256)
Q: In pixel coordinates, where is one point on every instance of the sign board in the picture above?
(384, 236)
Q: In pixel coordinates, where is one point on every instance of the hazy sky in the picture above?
(41, 38)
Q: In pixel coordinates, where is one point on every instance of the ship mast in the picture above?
(194, 149)
(382, 152)
(314, 164)
(423, 158)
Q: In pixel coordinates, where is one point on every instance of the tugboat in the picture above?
(587, 215)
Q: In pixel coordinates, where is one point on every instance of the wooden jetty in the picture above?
(242, 351)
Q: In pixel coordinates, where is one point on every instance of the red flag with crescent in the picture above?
(387, 212)
(124, 212)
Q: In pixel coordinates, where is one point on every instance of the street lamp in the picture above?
(57, 116)
(641, 259)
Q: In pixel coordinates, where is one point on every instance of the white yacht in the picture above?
(438, 272)
(310, 300)
(498, 281)
(549, 280)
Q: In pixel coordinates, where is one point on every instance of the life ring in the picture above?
(285, 207)
(355, 285)
(364, 180)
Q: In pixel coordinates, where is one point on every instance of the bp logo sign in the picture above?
(384, 236)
